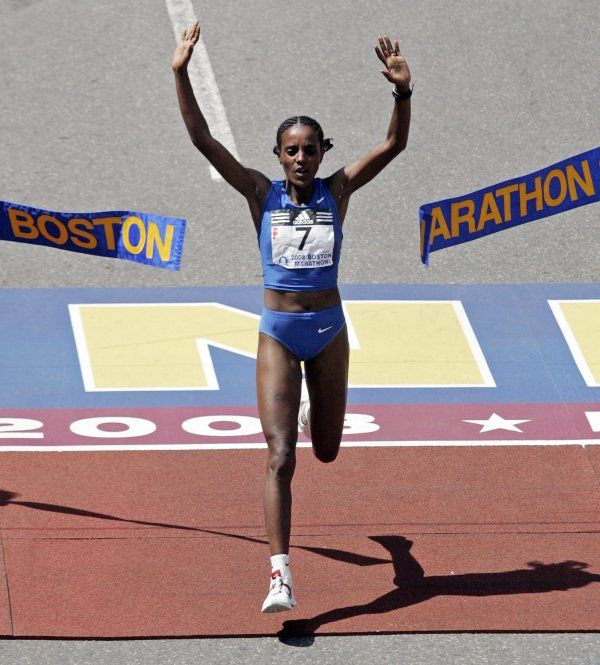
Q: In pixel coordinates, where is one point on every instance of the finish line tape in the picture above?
(563, 186)
(133, 236)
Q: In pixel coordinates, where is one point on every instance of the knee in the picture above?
(281, 462)
(326, 455)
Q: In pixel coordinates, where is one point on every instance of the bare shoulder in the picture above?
(256, 198)
(336, 183)
(260, 181)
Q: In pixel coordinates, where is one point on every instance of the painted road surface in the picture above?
(92, 123)
(469, 475)
(435, 365)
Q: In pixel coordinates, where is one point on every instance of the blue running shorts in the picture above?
(305, 334)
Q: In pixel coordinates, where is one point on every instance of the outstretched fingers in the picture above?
(385, 48)
(380, 54)
(191, 33)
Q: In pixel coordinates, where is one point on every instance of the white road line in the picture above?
(594, 420)
(469, 333)
(203, 80)
(301, 444)
(571, 340)
(473, 342)
(205, 357)
(85, 363)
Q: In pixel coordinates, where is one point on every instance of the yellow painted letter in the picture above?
(489, 211)
(526, 196)
(135, 347)
(108, 223)
(457, 217)
(22, 224)
(438, 225)
(505, 193)
(154, 239)
(412, 344)
(80, 237)
(560, 176)
(62, 237)
(586, 183)
(127, 224)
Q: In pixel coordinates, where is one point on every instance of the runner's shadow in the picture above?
(414, 587)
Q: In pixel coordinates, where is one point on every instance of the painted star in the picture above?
(497, 422)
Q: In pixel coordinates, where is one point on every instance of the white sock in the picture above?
(281, 562)
(303, 390)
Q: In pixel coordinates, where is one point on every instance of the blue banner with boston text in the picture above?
(557, 188)
(135, 236)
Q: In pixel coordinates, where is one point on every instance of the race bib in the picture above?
(302, 238)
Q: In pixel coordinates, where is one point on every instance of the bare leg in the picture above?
(278, 380)
(327, 382)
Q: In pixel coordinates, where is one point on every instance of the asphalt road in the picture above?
(89, 121)
(449, 649)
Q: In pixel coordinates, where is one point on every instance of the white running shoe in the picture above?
(280, 596)
(303, 418)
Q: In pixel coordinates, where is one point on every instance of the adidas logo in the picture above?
(303, 218)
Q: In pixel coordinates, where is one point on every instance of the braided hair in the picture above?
(326, 144)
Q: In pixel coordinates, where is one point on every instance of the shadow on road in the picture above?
(412, 586)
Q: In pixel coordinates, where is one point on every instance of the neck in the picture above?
(299, 196)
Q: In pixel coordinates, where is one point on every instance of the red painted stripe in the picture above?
(396, 422)
(397, 540)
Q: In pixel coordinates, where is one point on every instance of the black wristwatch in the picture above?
(402, 95)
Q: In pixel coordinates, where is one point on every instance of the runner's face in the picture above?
(300, 155)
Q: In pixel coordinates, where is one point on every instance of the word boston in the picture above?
(563, 186)
(134, 236)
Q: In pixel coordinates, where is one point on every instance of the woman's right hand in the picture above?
(183, 51)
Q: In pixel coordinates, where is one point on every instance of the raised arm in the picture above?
(351, 177)
(250, 183)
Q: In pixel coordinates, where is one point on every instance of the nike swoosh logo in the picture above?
(321, 199)
(322, 330)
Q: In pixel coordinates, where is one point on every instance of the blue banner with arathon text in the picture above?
(563, 186)
(134, 236)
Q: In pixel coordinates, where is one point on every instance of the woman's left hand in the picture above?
(396, 70)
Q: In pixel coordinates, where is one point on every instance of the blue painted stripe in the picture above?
(520, 339)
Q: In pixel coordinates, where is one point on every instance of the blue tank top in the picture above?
(300, 246)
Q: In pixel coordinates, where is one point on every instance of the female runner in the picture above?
(298, 221)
